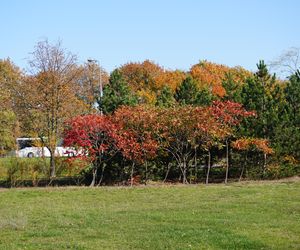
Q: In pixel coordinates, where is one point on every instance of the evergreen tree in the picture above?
(204, 97)
(116, 93)
(287, 139)
(288, 130)
(292, 93)
(165, 98)
(233, 89)
(187, 91)
(252, 95)
(262, 94)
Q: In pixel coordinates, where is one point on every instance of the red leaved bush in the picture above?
(97, 135)
(93, 135)
(230, 113)
(136, 128)
(138, 132)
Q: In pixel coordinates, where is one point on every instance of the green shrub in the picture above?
(275, 171)
(30, 171)
(69, 166)
(20, 171)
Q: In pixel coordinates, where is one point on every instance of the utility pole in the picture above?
(100, 83)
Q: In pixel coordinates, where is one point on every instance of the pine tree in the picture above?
(204, 97)
(116, 93)
(233, 89)
(187, 92)
(292, 93)
(165, 98)
(261, 94)
(288, 130)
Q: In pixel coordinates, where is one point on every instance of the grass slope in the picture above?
(237, 216)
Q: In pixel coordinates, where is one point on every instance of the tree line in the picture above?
(152, 123)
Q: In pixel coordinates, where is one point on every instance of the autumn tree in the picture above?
(147, 79)
(181, 129)
(230, 115)
(177, 130)
(139, 143)
(47, 97)
(141, 78)
(8, 131)
(211, 75)
(10, 76)
(87, 85)
(254, 145)
(141, 75)
(96, 139)
(99, 137)
(169, 78)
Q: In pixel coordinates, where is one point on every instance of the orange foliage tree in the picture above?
(182, 129)
(169, 78)
(179, 130)
(211, 75)
(47, 98)
(252, 144)
(148, 78)
(87, 84)
(141, 75)
(230, 114)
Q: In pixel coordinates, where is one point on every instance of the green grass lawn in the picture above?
(261, 215)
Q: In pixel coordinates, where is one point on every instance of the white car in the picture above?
(43, 151)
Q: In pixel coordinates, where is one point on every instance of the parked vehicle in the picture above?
(31, 147)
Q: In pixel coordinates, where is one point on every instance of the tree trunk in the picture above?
(94, 177)
(167, 173)
(52, 164)
(184, 179)
(208, 167)
(131, 175)
(146, 172)
(195, 162)
(243, 168)
(227, 161)
(102, 174)
(265, 163)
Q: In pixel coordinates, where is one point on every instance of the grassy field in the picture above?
(261, 215)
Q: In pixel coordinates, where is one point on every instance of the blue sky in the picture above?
(176, 34)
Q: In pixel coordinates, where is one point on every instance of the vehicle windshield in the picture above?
(27, 142)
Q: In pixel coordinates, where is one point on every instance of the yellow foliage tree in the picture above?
(46, 98)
